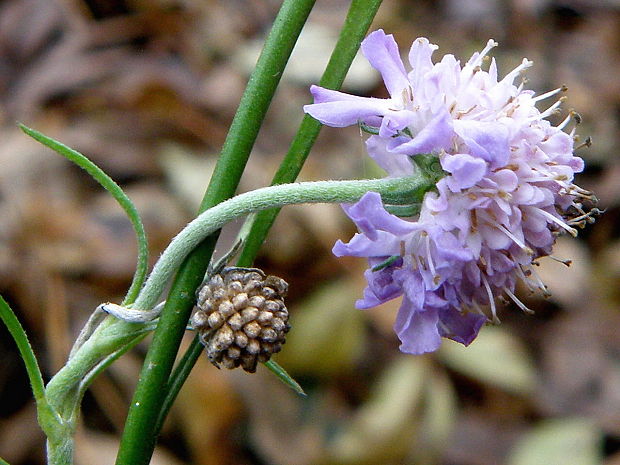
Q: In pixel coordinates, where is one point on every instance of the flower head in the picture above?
(506, 195)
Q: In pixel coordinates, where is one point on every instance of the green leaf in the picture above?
(25, 349)
(385, 263)
(47, 417)
(285, 377)
(108, 184)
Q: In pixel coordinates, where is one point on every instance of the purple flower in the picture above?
(507, 191)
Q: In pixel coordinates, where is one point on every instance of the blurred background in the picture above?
(147, 89)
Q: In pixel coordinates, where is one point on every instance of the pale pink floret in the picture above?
(507, 191)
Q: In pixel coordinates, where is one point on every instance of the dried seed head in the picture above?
(241, 317)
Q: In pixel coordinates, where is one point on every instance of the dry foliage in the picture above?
(147, 90)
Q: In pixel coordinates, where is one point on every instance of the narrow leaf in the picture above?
(285, 377)
(47, 417)
(108, 184)
(25, 349)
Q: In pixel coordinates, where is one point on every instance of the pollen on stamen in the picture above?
(572, 231)
(585, 143)
(540, 284)
(564, 262)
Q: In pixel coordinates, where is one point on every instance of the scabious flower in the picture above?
(506, 195)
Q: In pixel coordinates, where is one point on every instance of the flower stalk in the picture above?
(66, 388)
(138, 439)
(113, 333)
(356, 24)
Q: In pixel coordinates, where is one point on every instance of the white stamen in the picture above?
(546, 95)
(560, 260)
(516, 240)
(491, 299)
(541, 285)
(513, 74)
(533, 280)
(477, 308)
(528, 282)
(520, 304)
(431, 265)
(563, 124)
(549, 111)
(476, 60)
(585, 216)
(562, 224)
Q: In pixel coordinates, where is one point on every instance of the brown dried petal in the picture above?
(229, 363)
(278, 324)
(249, 314)
(235, 287)
(219, 294)
(216, 320)
(249, 362)
(278, 284)
(264, 317)
(272, 305)
(252, 329)
(226, 308)
(199, 319)
(256, 301)
(222, 338)
(252, 286)
(240, 301)
(233, 352)
(236, 322)
(269, 335)
(241, 339)
(269, 292)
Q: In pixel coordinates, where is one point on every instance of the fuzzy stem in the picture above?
(391, 189)
(64, 390)
(356, 24)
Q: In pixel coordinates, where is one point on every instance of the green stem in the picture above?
(356, 24)
(138, 439)
(180, 374)
(64, 390)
